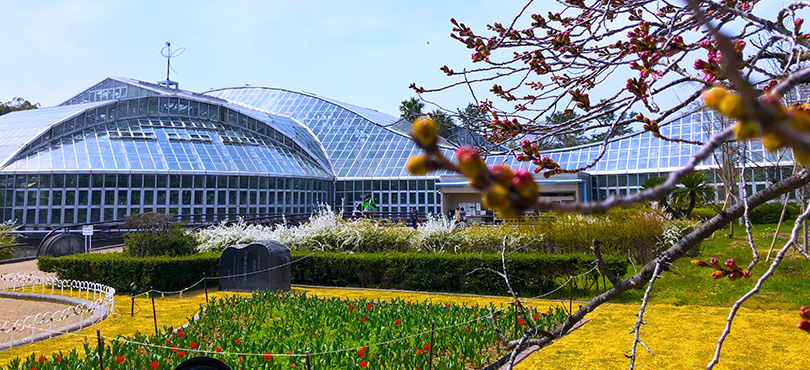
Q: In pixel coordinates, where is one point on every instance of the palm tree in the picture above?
(693, 188)
(411, 109)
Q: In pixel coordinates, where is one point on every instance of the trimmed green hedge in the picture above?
(529, 274)
(769, 213)
(119, 270)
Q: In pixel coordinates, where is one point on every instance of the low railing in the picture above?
(86, 297)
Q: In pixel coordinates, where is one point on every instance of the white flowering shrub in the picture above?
(327, 231)
(436, 234)
(216, 238)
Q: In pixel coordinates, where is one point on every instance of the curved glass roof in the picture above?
(354, 138)
(642, 152)
(18, 128)
(159, 133)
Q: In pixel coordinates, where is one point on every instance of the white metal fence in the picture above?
(83, 298)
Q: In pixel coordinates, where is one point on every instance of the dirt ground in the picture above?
(15, 309)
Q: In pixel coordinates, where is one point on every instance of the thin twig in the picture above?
(754, 255)
(637, 329)
(776, 260)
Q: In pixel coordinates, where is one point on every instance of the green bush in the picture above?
(6, 238)
(703, 213)
(769, 213)
(530, 274)
(159, 236)
(118, 270)
(620, 232)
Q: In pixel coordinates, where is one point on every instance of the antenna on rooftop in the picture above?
(169, 54)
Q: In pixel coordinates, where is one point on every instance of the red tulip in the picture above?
(41, 359)
(351, 307)
(408, 303)
(426, 346)
(396, 322)
(362, 319)
(292, 366)
(365, 348)
(368, 307)
(218, 350)
(167, 342)
(58, 358)
(536, 316)
(120, 359)
(240, 359)
(363, 364)
(360, 353)
(289, 352)
(418, 351)
(154, 365)
(193, 345)
(179, 333)
(174, 348)
(466, 329)
(267, 356)
(238, 341)
(181, 354)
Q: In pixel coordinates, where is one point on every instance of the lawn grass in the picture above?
(690, 285)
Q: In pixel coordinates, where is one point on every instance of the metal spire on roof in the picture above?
(168, 54)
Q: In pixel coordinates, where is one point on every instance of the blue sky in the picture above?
(361, 52)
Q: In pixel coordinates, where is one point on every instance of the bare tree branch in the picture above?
(776, 260)
(637, 328)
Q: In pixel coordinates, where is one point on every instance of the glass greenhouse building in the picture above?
(126, 146)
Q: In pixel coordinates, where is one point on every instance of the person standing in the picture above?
(414, 218)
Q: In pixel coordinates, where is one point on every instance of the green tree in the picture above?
(608, 119)
(573, 136)
(16, 104)
(411, 109)
(447, 127)
(473, 122)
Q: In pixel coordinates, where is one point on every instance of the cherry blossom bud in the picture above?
(425, 130)
(469, 162)
(804, 312)
(746, 130)
(503, 174)
(804, 325)
(525, 185)
(497, 198)
(417, 165)
(700, 263)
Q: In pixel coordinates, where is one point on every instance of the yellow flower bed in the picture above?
(682, 337)
(171, 311)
